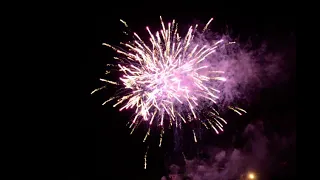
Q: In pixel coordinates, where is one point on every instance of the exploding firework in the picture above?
(168, 81)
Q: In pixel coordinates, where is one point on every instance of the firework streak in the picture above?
(167, 80)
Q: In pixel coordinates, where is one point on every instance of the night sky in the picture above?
(100, 141)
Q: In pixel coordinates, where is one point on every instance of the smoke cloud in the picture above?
(248, 67)
(259, 155)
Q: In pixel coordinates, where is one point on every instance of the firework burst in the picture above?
(167, 80)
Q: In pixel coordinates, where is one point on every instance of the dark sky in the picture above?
(99, 140)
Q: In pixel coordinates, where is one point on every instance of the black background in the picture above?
(98, 140)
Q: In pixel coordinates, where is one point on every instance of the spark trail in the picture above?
(167, 79)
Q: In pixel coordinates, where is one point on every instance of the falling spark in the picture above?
(237, 110)
(205, 28)
(124, 22)
(205, 125)
(194, 136)
(161, 136)
(145, 158)
(111, 82)
(241, 109)
(98, 89)
(147, 134)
